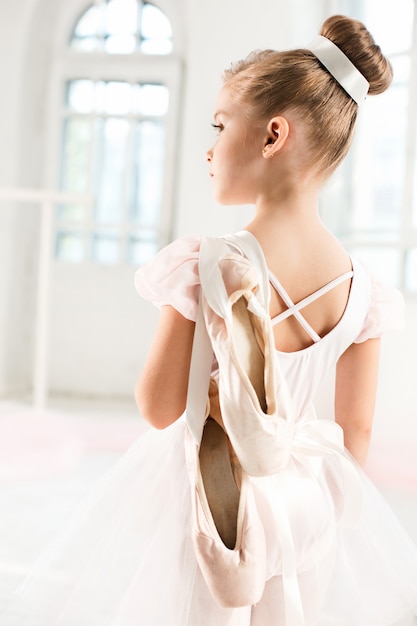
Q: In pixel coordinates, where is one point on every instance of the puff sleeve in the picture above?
(171, 277)
(386, 312)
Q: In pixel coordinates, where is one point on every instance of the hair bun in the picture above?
(354, 39)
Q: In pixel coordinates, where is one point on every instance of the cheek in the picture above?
(233, 186)
(234, 171)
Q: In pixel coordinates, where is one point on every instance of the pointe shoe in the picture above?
(227, 533)
(255, 404)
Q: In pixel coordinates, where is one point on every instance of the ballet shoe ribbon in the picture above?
(321, 437)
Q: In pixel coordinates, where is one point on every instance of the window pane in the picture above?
(76, 155)
(121, 17)
(75, 166)
(86, 32)
(105, 249)
(155, 24)
(156, 32)
(110, 163)
(117, 98)
(141, 248)
(80, 95)
(145, 199)
(150, 99)
(411, 270)
(100, 96)
(69, 247)
(87, 25)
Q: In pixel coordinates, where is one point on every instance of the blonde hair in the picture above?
(270, 82)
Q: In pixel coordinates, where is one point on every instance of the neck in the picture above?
(285, 211)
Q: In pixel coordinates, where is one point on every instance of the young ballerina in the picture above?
(284, 122)
(262, 518)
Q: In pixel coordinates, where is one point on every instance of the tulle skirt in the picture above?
(126, 557)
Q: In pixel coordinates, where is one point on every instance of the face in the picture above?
(236, 156)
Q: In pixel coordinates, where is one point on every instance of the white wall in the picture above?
(100, 354)
(10, 64)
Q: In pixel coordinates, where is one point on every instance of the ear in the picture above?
(278, 131)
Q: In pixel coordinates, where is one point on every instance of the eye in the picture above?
(218, 127)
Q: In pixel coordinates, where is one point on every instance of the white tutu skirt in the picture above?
(126, 557)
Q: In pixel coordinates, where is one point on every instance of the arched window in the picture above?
(123, 27)
(372, 202)
(119, 88)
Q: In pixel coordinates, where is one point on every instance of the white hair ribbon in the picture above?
(340, 67)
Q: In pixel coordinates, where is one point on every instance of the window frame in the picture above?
(136, 67)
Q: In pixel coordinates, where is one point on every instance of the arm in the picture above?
(161, 391)
(356, 384)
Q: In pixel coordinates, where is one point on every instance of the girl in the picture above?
(288, 532)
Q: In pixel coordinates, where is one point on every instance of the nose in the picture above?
(209, 155)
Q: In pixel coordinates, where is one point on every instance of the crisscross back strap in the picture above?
(294, 309)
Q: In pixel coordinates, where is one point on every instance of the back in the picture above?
(300, 270)
(314, 331)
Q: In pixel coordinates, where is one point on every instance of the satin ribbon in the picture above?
(316, 438)
(199, 378)
(319, 438)
(340, 67)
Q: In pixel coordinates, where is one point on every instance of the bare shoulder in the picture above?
(303, 266)
(304, 261)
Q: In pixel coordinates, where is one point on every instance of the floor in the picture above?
(50, 459)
